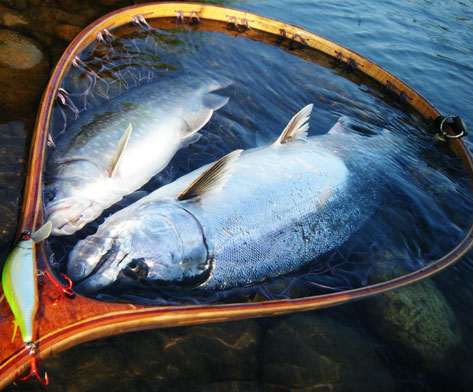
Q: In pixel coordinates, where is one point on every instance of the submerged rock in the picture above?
(311, 352)
(18, 51)
(24, 72)
(418, 323)
(11, 18)
(209, 358)
(12, 150)
(211, 353)
(67, 32)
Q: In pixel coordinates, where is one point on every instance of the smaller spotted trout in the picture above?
(112, 151)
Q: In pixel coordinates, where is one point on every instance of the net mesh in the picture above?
(115, 64)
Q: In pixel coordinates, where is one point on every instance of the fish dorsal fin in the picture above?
(43, 232)
(297, 127)
(216, 175)
(122, 143)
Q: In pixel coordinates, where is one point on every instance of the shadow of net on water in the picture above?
(398, 237)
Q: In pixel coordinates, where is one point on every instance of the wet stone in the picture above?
(227, 386)
(95, 366)
(417, 322)
(45, 19)
(67, 32)
(11, 18)
(214, 357)
(312, 352)
(24, 72)
(17, 51)
(212, 353)
(110, 3)
(12, 145)
(20, 5)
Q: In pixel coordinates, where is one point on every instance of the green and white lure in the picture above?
(20, 286)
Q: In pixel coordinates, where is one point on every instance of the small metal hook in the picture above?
(64, 290)
(33, 366)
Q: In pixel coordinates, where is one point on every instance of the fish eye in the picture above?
(48, 195)
(138, 267)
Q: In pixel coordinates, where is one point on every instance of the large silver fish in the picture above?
(117, 148)
(249, 216)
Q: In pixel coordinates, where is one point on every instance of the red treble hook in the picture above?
(64, 290)
(33, 368)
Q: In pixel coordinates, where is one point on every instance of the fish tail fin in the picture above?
(215, 101)
(384, 139)
(194, 121)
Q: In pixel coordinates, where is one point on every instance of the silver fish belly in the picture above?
(115, 149)
(250, 216)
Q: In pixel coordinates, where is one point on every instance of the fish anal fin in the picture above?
(195, 121)
(297, 128)
(43, 232)
(122, 143)
(216, 175)
(214, 101)
(192, 138)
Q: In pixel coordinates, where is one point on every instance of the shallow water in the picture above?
(266, 89)
(426, 44)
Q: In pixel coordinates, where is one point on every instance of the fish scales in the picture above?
(246, 222)
(274, 211)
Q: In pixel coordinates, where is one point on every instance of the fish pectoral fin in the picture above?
(192, 138)
(297, 128)
(216, 175)
(42, 233)
(195, 121)
(122, 143)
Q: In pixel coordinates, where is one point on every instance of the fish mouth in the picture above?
(104, 273)
(68, 216)
(60, 205)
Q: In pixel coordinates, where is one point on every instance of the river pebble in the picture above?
(12, 142)
(210, 357)
(24, 71)
(418, 323)
(12, 19)
(312, 352)
(67, 32)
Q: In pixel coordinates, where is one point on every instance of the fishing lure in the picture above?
(20, 286)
